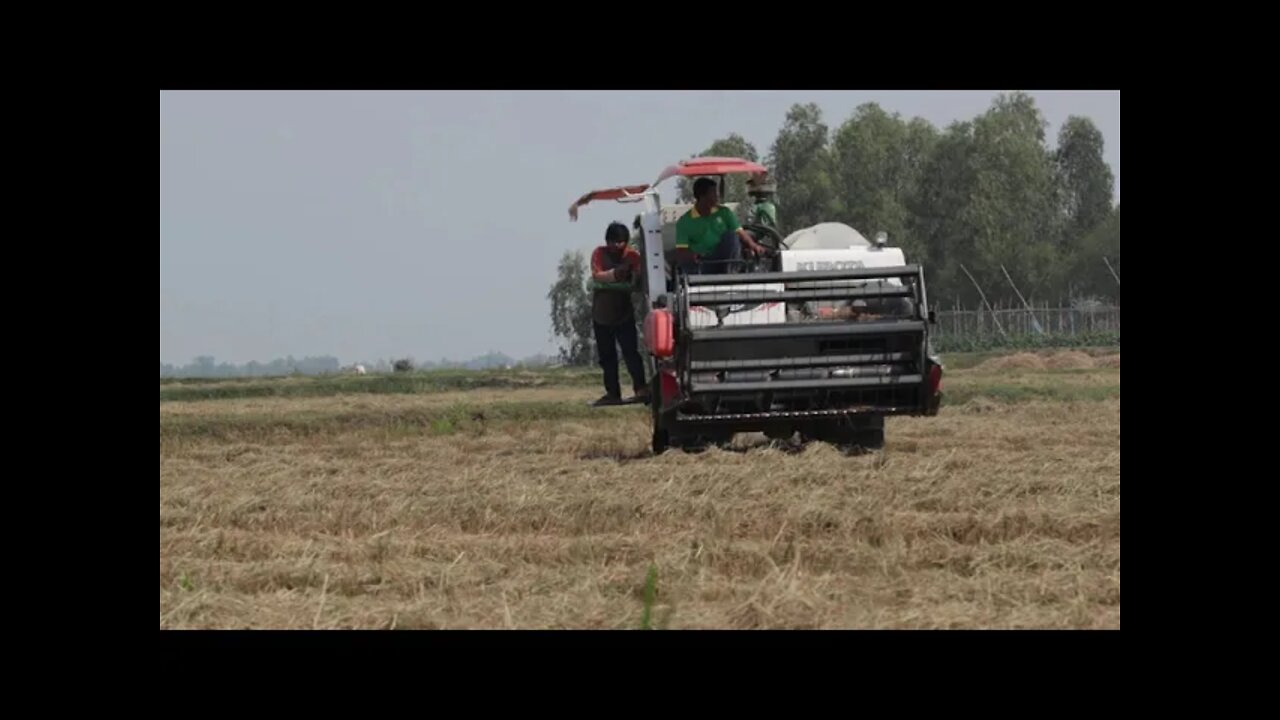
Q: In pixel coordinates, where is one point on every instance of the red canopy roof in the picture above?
(710, 166)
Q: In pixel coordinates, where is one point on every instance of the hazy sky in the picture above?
(372, 225)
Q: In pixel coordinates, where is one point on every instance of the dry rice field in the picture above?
(520, 507)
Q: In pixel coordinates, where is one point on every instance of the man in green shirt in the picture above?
(765, 211)
(711, 232)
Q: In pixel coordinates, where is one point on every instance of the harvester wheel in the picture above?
(660, 441)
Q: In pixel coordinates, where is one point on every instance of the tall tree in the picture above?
(1086, 182)
(1090, 275)
(878, 164)
(988, 202)
(1011, 213)
(570, 299)
(801, 165)
(940, 215)
(1020, 226)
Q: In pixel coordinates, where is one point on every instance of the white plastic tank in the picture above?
(826, 236)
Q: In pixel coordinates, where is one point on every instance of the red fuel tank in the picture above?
(659, 335)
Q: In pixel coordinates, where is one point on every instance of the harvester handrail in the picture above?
(804, 330)
(828, 384)
(805, 276)
(800, 362)
(731, 297)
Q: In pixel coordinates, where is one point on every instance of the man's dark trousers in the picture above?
(608, 338)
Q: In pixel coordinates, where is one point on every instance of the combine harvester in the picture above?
(824, 336)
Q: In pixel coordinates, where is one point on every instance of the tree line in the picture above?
(986, 203)
(206, 366)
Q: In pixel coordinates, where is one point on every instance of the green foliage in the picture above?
(800, 163)
(570, 298)
(879, 165)
(1089, 274)
(988, 194)
(1086, 182)
(650, 594)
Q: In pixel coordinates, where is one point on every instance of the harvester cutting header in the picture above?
(820, 332)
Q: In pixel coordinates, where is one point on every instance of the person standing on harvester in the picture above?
(615, 270)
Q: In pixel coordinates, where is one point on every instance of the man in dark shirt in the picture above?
(615, 272)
